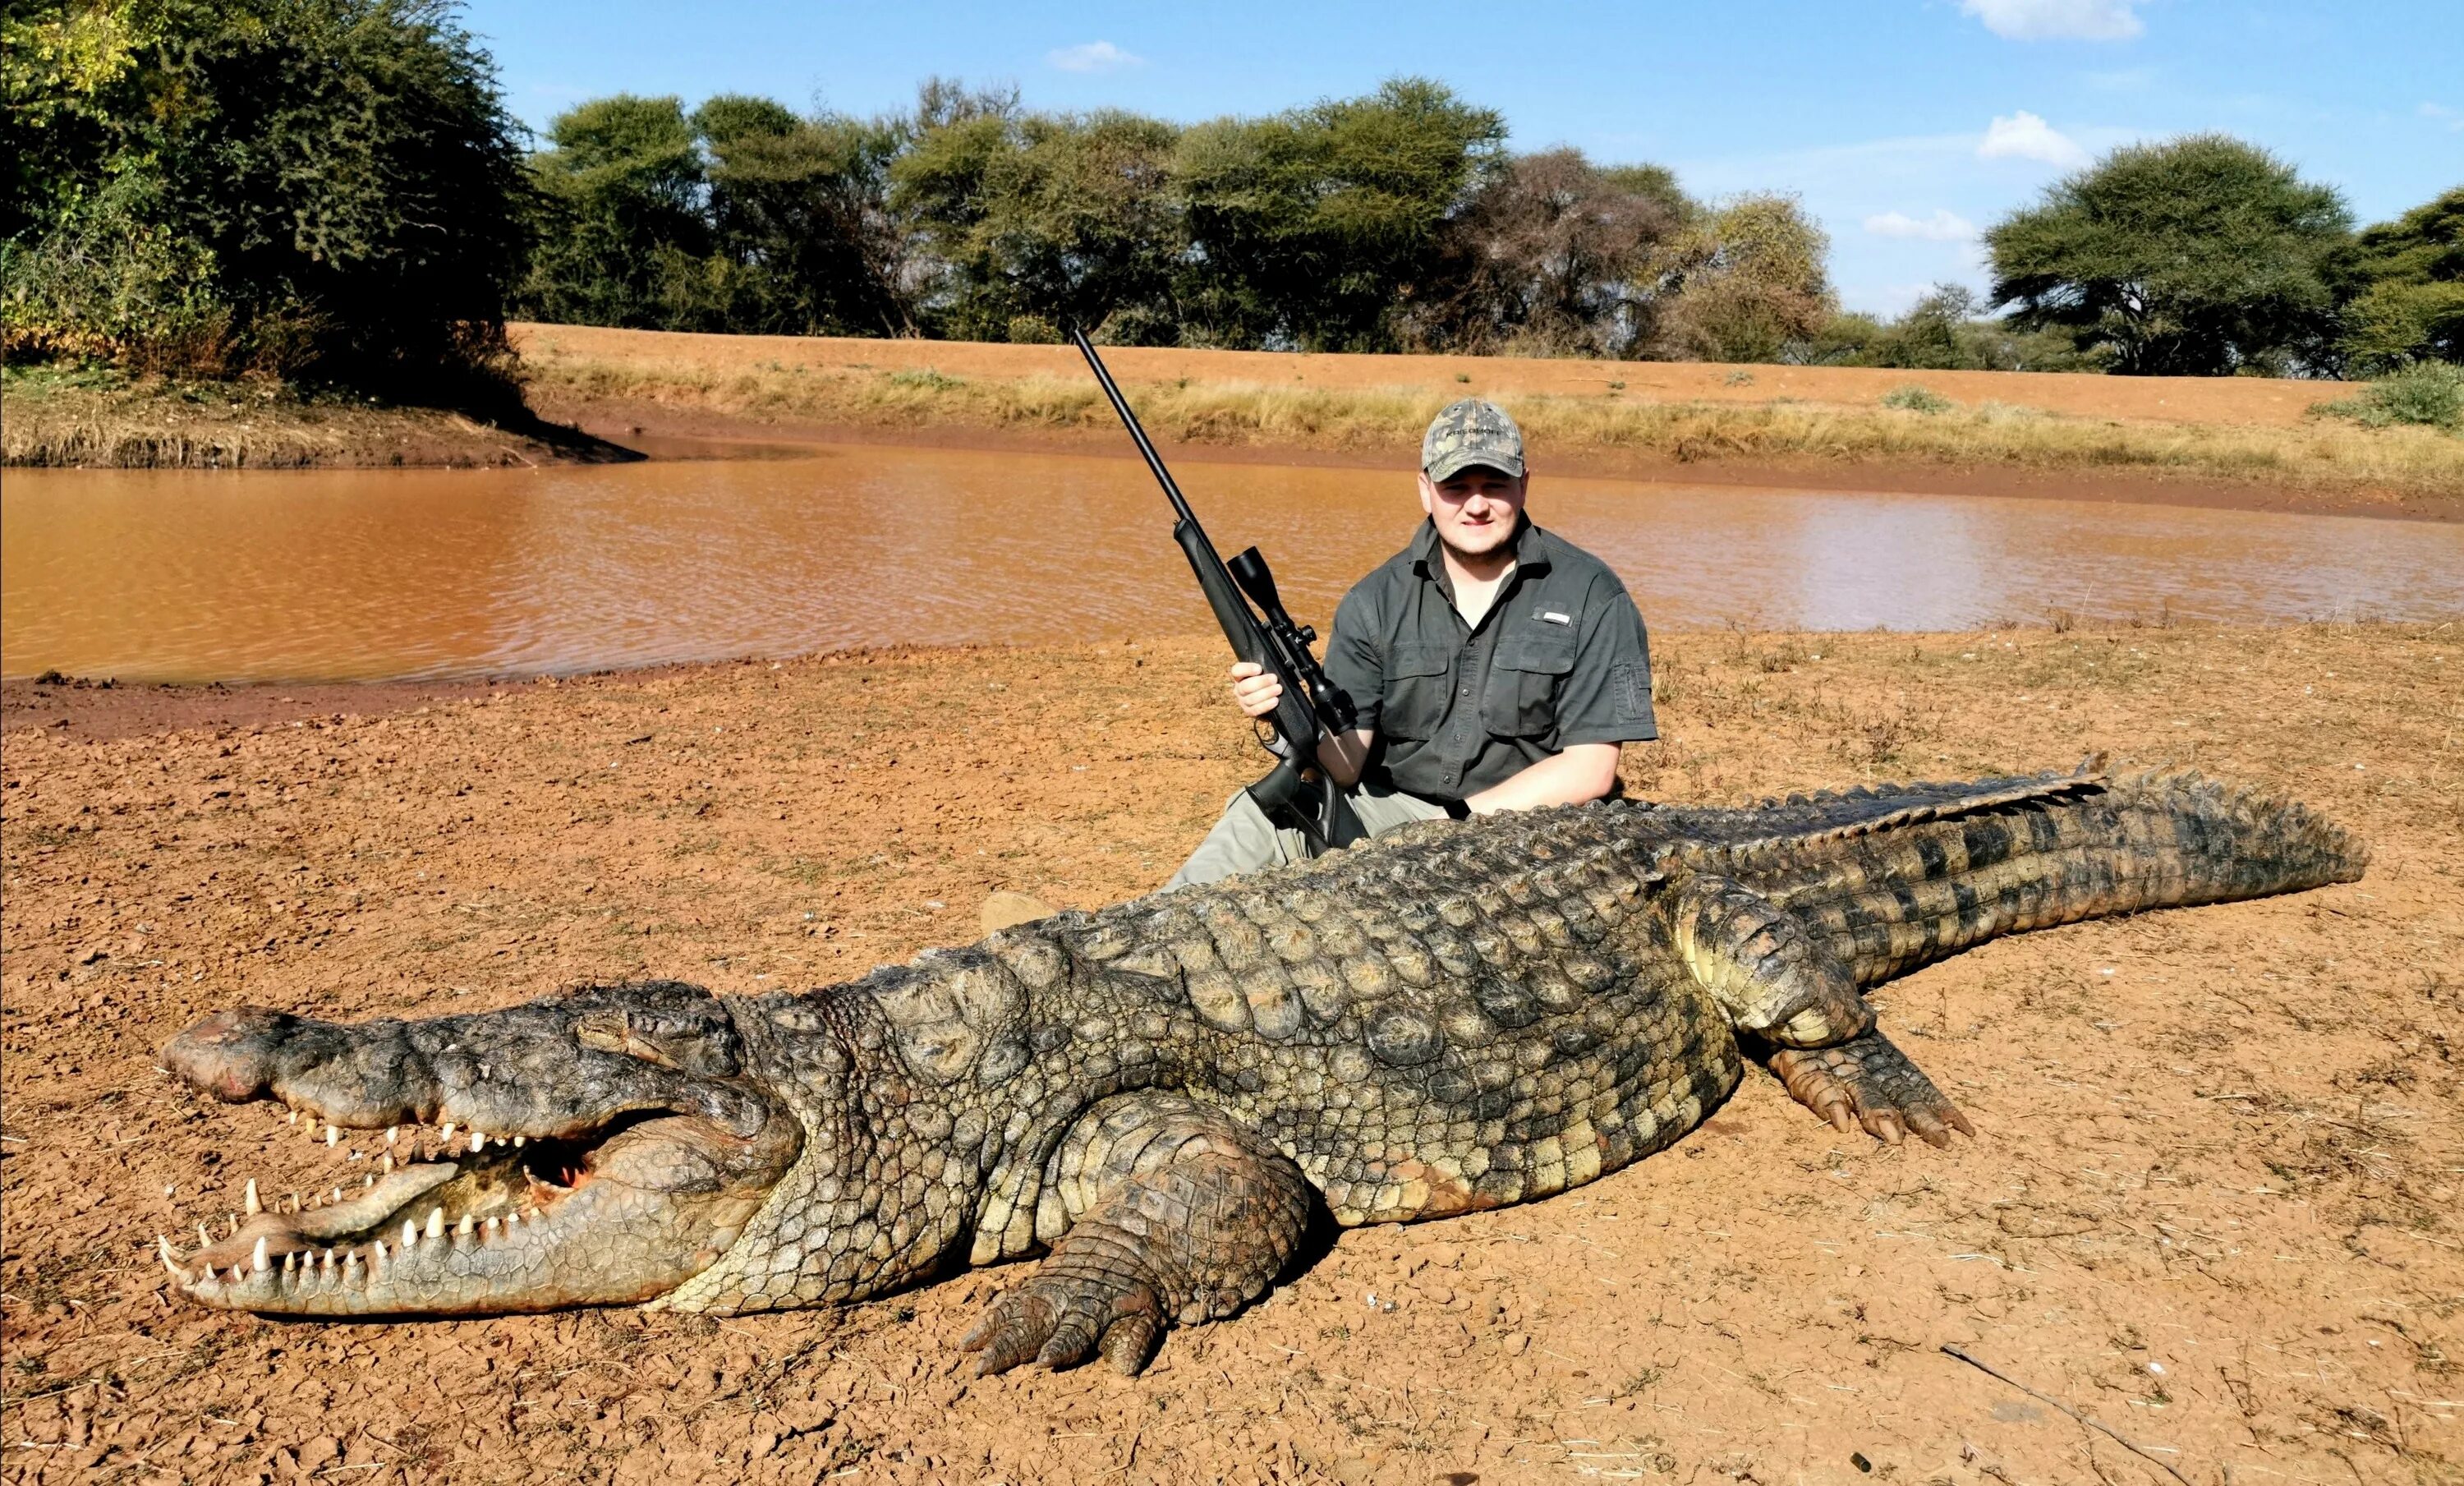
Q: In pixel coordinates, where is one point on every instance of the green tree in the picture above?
(1316, 227)
(2195, 257)
(1744, 282)
(624, 237)
(1033, 220)
(316, 187)
(801, 229)
(2408, 277)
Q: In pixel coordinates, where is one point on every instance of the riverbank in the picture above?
(2213, 1202)
(2241, 442)
(59, 417)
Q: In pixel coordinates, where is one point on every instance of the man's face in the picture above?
(1475, 509)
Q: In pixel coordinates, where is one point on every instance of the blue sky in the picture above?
(1904, 124)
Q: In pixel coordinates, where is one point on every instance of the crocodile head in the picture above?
(602, 1148)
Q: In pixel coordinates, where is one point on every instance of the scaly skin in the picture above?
(1452, 1017)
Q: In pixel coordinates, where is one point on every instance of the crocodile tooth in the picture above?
(333, 1137)
(392, 1133)
(518, 1143)
(258, 1259)
(162, 1247)
(448, 1137)
(254, 1207)
(478, 1140)
(409, 1234)
(435, 1222)
(385, 1163)
(338, 1194)
(462, 1227)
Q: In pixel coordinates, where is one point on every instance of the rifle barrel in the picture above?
(1121, 406)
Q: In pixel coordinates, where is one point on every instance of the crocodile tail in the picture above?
(2158, 839)
(2228, 841)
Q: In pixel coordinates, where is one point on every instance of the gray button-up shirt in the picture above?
(1560, 658)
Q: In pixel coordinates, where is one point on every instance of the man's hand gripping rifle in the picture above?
(1297, 794)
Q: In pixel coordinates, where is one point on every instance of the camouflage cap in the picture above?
(1468, 432)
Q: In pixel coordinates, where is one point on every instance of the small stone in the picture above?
(1517, 1343)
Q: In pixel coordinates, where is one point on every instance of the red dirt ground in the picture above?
(2248, 400)
(2214, 1204)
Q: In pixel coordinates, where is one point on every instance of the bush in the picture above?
(1913, 399)
(321, 188)
(2429, 394)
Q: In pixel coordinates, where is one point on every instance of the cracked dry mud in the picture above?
(2210, 1203)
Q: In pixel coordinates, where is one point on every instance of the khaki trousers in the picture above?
(1245, 840)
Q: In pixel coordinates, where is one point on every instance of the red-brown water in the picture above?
(171, 575)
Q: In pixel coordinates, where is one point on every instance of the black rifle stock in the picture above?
(1296, 794)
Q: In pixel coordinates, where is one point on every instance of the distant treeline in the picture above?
(333, 188)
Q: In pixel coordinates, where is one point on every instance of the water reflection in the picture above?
(189, 576)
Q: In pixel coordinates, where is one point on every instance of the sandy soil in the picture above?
(2230, 400)
(2214, 1205)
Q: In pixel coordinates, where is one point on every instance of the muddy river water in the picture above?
(165, 575)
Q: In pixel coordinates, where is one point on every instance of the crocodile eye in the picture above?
(690, 1047)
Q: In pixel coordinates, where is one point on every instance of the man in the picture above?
(1495, 666)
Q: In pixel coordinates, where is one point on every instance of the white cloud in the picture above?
(2440, 113)
(2057, 20)
(1944, 226)
(2023, 136)
(1092, 56)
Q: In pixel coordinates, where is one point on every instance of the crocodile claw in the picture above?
(1061, 1319)
(1866, 1080)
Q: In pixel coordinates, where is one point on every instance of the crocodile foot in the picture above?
(1072, 1308)
(1182, 1217)
(1865, 1080)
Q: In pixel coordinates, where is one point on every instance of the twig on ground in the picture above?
(2102, 1428)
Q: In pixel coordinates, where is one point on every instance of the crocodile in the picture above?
(1161, 1098)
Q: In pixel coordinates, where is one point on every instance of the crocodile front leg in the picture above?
(1784, 990)
(1178, 1214)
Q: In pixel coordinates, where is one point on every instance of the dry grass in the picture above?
(2410, 462)
(67, 418)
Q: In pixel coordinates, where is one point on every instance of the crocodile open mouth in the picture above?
(466, 1188)
(628, 1179)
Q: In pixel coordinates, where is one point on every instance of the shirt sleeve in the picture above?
(1356, 659)
(1607, 696)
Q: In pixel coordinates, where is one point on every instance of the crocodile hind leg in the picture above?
(1176, 1214)
(1785, 991)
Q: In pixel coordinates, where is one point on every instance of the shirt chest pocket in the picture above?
(1419, 680)
(1523, 684)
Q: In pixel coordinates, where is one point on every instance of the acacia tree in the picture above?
(1549, 258)
(1035, 220)
(801, 238)
(1314, 227)
(2195, 257)
(623, 224)
(1744, 282)
(2409, 281)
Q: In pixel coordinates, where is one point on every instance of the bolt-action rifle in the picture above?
(1296, 795)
